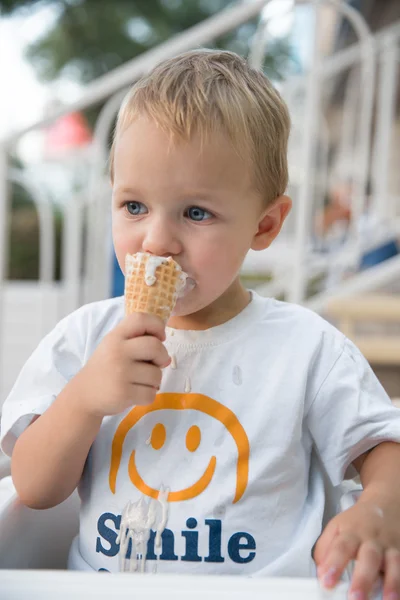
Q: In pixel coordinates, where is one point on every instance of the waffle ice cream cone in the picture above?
(152, 284)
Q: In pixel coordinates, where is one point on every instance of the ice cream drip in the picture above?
(188, 385)
(152, 264)
(137, 521)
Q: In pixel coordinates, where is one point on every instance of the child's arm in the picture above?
(369, 532)
(49, 456)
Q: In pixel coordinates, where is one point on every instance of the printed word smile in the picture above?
(241, 546)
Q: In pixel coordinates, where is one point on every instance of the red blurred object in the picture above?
(66, 135)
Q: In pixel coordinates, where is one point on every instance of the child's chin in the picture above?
(184, 304)
(181, 309)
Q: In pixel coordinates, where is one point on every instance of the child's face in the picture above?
(192, 202)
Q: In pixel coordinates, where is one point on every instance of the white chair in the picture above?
(36, 539)
(5, 465)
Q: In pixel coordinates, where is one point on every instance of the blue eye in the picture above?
(135, 208)
(198, 214)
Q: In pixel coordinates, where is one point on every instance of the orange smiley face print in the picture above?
(172, 401)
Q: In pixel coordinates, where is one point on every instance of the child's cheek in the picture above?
(122, 248)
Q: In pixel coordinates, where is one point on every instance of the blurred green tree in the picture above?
(89, 38)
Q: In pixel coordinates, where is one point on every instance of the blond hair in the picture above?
(204, 91)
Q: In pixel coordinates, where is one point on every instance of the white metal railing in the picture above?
(298, 292)
(382, 48)
(312, 117)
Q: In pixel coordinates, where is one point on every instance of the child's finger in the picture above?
(139, 324)
(392, 574)
(147, 374)
(366, 570)
(142, 395)
(323, 544)
(148, 349)
(343, 549)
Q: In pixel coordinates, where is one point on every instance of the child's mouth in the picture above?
(190, 284)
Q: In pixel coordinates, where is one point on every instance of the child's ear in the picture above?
(271, 222)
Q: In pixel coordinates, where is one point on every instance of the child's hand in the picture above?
(370, 536)
(126, 367)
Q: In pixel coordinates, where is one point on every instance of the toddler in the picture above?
(209, 445)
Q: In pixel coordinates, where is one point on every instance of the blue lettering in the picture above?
(151, 555)
(108, 534)
(241, 546)
(214, 541)
(235, 545)
(168, 544)
(192, 542)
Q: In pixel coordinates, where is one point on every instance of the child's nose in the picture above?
(161, 240)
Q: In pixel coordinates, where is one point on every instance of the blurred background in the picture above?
(64, 68)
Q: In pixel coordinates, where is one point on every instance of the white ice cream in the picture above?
(138, 519)
(152, 262)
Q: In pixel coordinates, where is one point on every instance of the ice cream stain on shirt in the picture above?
(138, 519)
(173, 362)
(188, 386)
(237, 375)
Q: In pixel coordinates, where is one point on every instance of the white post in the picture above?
(4, 202)
(297, 290)
(386, 107)
(97, 284)
(46, 227)
(367, 86)
(349, 122)
(71, 255)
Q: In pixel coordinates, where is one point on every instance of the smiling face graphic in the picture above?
(170, 401)
(157, 441)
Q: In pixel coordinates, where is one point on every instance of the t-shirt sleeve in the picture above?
(58, 357)
(350, 413)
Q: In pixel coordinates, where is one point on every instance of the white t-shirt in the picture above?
(246, 415)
